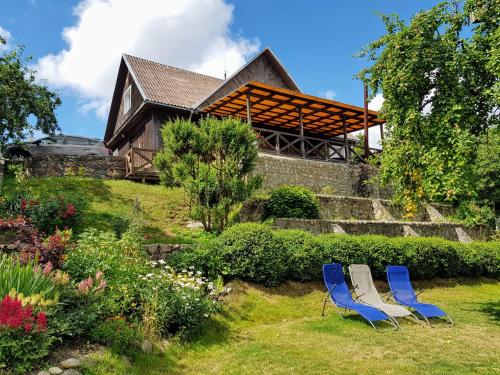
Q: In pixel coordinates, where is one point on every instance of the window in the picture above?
(127, 100)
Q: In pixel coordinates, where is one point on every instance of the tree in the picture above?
(212, 161)
(439, 76)
(22, 99)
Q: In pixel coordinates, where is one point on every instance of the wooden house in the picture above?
(262, 92)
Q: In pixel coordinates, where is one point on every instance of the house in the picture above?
(262, 92)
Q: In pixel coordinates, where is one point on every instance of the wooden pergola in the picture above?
(304, 122)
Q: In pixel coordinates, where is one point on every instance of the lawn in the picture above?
(281, 331)
(163, 212)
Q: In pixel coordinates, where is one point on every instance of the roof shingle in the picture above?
(168, 85)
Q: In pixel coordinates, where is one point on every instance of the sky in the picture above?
(76, 45)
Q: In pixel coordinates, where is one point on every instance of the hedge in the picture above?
(258, 253)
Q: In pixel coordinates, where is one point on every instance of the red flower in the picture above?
(23, 204)
(14, 316)
(41, 321)
(27, 326)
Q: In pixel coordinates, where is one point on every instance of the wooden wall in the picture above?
(260, 69)
(136, 102)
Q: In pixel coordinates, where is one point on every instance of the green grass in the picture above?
(280, 331)
(162, 211)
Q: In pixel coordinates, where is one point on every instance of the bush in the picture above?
(255, 252)
(46, 213)
(175, 302)
(23, 336)
(292, 201)
(144, 292)
(119, 335)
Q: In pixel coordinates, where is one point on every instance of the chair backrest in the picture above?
(400, 284)
(362, 281)
(333, 275)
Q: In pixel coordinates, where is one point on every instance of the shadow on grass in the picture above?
(491, 309)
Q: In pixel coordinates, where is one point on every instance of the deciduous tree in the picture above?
(25, 104)
(439, 75)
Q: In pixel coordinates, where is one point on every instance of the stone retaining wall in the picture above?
(95, 166)
(449, 231)
(333, 207)
(336, 178)
(161, 251)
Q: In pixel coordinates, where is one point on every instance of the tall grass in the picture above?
(25, 279)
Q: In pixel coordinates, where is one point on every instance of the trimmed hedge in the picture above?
(256, 252)
(292, 201)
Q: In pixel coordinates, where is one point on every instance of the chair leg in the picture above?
(451, 321)
(324, 305)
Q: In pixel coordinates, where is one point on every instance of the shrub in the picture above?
(23, 336)
(32, 246)
(292, 201)
(255, 252)
(47, 213)
(140, 291)
(175, 302)
(119, 335)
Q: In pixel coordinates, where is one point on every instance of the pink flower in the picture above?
(48, 268)
(98, 275)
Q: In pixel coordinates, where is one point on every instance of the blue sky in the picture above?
(315, 40)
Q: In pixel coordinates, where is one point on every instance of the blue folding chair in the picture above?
(339, 295)
(402, 292)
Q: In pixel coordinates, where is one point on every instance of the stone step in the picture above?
(449, 231)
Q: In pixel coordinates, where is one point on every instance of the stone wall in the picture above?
(95, 166)
(319, 176)
(449, 231)
(161, 251)
(334, 207)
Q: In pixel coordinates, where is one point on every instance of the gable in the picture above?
(264, 68)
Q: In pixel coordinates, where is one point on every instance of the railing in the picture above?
(139, 163)
(290, 144)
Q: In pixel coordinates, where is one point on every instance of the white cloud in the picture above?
(327, 94)
(374, 139)
(191, 34)
(6, 35)
(376, 103)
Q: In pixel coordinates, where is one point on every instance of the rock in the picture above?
(146, 346)
(71, 371)
(70, 363)
(55, 371)
(43, 373)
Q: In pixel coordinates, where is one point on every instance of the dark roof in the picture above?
(165, 84)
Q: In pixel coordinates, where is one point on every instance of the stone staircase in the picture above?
(358, 216)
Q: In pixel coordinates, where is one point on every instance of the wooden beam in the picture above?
(249, 109)
(346, 145)
(381, 133)
(365, 118)
(301, 127)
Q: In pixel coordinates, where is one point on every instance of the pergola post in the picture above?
(381, 133)
(278, 148)
(346, 145)
(301, 126)
(365, 119)
(249, 110)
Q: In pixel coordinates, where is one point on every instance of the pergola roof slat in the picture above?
(279, 107)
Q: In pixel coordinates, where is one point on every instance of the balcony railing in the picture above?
(289, 144)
